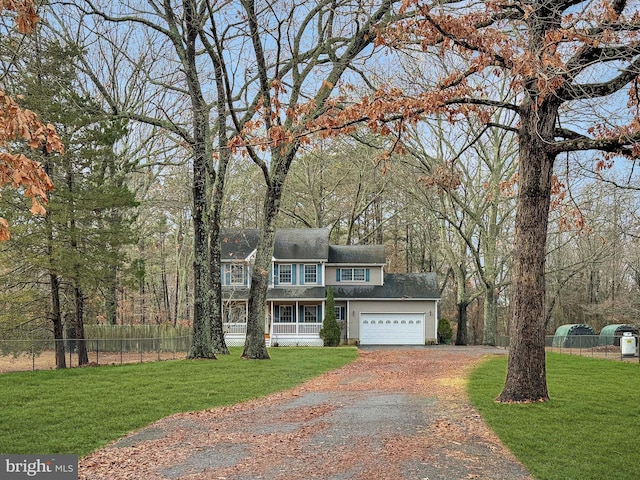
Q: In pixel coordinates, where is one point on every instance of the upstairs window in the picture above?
(310, 274)
(234, 274)
(358, 275)
(285, 274)
(353, 275)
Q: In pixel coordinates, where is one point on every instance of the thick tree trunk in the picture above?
(255, 346)
(218, 181)
(461, 334)
(217, 332)
(201, 341)
(201, 346)
(526, 374)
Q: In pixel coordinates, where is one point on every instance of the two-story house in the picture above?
(373, 307)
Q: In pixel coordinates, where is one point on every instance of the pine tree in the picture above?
(79, 243)
(330, 332)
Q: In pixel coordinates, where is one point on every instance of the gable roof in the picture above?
(238, 244)
(354, 254)
(290, 244)
(397, 286)
(301, 244)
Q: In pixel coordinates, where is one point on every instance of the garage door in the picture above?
(392, 329)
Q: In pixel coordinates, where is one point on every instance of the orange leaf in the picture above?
(36, 208)
(4, 230)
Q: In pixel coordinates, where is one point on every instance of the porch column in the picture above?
(348, 319)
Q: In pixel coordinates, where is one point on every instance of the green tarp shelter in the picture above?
(610, 335)
(575, 335)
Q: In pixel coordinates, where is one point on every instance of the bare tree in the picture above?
(160, 81)
(568, 64)
(300, 53)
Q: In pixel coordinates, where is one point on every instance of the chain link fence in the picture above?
(17, 355)
(594, 346)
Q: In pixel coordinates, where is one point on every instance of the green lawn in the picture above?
(78, 410)
(590, 430)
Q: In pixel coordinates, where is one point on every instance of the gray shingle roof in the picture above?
(301, 244)
(294, 293)
(238, 244)
(396, 286)
(354, 254)
(290, 244)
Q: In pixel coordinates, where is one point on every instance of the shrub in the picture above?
(330, 332)
(445, 332)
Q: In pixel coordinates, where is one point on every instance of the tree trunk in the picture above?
(217, 332)
(461, 334)
(201, 346)
(490, 328)
(176, 298)
(217, 179)
(526, 374)
(255, 346)
(201, 341)
(56, 318)
(81, 343)
(111, 296)
(166, 315)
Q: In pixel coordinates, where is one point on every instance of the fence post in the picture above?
(33, 359)
(97, 352)
(121, 349)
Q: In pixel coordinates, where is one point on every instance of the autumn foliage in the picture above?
(19, 125)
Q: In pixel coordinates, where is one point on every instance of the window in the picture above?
(284, 274)
(234, 274)
(311, 314)
(339, 313)
(353, 275)
(346, 274)
(286, 313)
(358, 274)
(310, 274)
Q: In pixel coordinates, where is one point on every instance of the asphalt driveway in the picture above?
(395, 413)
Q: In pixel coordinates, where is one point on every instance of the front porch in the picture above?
(286, 323)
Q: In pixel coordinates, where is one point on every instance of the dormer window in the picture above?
(353, 274)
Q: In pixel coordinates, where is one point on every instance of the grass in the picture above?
(78, 410)
(589, 430)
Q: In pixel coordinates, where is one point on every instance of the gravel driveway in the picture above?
(395, 413)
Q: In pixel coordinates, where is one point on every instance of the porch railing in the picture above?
(296, 328)
(235, 328)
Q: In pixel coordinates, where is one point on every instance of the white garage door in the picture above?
(392, 329)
